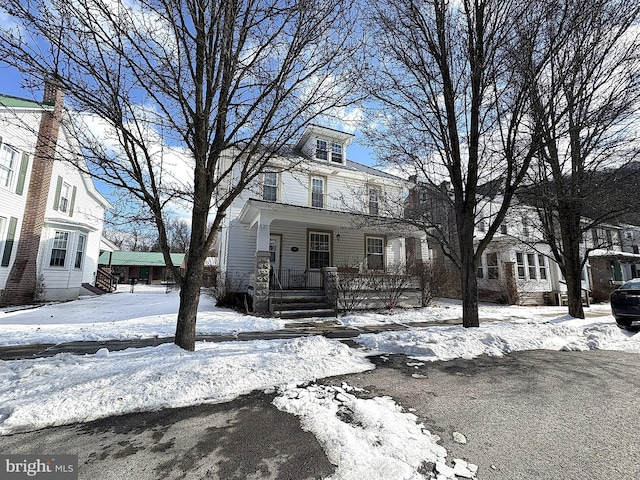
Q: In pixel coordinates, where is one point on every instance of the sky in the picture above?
(10, 79)
(385, 442)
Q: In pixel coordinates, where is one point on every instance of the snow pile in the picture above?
(70, 388)
(367, 438)
(499, 338)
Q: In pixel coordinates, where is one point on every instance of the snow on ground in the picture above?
(356, 433)
(149, 312)
(78, 388)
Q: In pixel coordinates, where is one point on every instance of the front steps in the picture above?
(294, 304)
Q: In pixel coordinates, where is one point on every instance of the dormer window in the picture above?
(336, 152)
(322, 152)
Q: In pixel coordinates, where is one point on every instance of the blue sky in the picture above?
(10, 80)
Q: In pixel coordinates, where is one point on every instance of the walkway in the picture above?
(329, 329)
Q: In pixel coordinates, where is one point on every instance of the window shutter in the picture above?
(22, 174)
(56, 199)
(8, 244)
(73, 201)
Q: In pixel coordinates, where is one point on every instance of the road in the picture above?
(528, 415)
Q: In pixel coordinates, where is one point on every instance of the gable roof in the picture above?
(9, 101)
(139, 259)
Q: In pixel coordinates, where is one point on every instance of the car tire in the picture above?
(623, 322)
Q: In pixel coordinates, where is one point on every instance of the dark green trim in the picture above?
(8, 244)
(22, 174)
(73, 201)
(56, 199)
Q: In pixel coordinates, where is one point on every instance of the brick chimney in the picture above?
(21, 283)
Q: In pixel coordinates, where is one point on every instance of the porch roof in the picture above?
(625, 257)
(254, 210)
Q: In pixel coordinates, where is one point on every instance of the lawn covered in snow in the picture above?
(67, 388)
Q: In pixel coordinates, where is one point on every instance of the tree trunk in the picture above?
(194, 272)
(468, 271)
(470, 316)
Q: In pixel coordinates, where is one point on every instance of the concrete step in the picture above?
(292, 314)
(302, 305)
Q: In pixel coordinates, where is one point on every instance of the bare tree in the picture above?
(453, 113)
(223, 83)
(586, 100)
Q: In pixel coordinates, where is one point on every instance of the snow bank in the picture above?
(70, 388)
(446, 343)
(364, 438)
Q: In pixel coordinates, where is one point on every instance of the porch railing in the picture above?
(105, 281)
(288, 279)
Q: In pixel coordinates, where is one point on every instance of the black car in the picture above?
(625, 303)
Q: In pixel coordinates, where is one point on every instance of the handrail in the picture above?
(280, 289)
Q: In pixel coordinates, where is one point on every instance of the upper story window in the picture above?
(65, 197)
(8, 159)
(336, 152)
(317, 192)
(322, 152)
(374, 201)
(270, 187)
(329, 151)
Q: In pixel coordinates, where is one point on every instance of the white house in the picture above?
(313, 208)
(51, 215)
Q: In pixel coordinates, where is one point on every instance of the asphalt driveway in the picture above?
(528, 415)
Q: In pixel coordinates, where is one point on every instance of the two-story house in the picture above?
(313, 208)
(51, 215)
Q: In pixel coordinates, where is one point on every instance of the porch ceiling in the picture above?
(255, 211)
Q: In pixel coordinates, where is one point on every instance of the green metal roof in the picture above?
(16, 102)
(140, 259)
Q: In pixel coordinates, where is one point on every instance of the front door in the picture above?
(275, 242)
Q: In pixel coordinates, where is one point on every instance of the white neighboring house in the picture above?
(517, 266)
(51, 215)
(310, 209)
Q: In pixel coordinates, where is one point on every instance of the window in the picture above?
(525, 227)
(319, 249)
(321, 150)
(492, 266)
(59, 250)
(531, 261)
(270, 187)
(375, 253)
(80, 251)
(542, 266)
(482, 226)
(3, 224)
(503, 229)
(65, 196)
(317, 192)
(8, 157)
(480, 271)
(520, 265)
(374, 201)
(336, 152)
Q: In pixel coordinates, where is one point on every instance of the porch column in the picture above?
(263, 266)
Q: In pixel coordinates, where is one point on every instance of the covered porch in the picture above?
(293, 245)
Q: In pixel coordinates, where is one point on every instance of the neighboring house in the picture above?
(614, 257)
(517, 266)
(312, 208)
(51, 215)
(144, 267)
